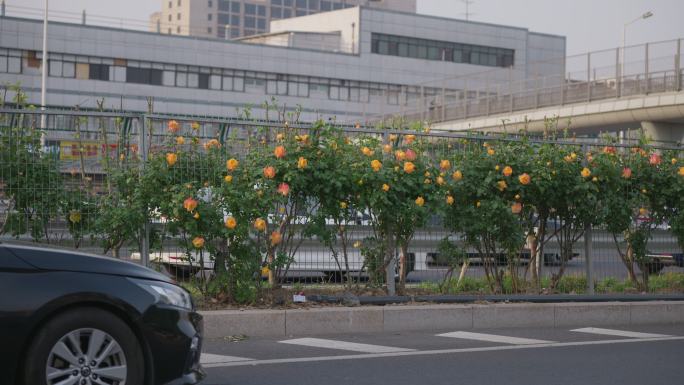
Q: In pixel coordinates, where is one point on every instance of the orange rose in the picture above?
(392, 137)
(409, 167)
(385, 187)
(681, 171)
(276, 238)
(609, 150)
(440, 180)
(376, 165)
(279, 152)
(213, 143)
(507, 171)
(457, 175)
(490, 151)
(189, 204)
(367, 151)
(260, 224)
(232, 164)
(411, 155)
(586, 173)
(231, 223)
(524, 179)
(516, 208)
(444, 165)
(302, 163)
(501, 185)
(400, 155)
(198, 242)
(408, 139)
(387, 148)
(171, 158)
(449, 200)
(284, 189)
(269, 172)
(173, 126)
(643, 211)
(420, 201)
(626, 172)
(180, 140)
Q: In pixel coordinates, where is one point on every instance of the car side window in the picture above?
(9, 261)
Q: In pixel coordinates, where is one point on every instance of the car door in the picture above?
(13, 311)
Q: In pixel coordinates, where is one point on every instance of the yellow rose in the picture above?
(171, 158)
(457, 175)
(302, 163)
(420, 201)
(343, 205)
(228, 178)
(507, 171)
(260, 224)
(385, 187)
(198, 242)
(376, 165)
(449, 200)
(180, 140)
(444, 164)
(409, 167)
(232, 164)
(524, 179)
(501, 185)
(585, 173)
(231, 223)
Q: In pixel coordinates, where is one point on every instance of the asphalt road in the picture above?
(501, 356)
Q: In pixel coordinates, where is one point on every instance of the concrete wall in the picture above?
(344, 21)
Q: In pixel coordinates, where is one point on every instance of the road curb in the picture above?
(373, 319)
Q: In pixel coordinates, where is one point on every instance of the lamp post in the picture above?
(624, 41)
(43, 79)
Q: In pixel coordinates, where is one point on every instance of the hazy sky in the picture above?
(588, 24)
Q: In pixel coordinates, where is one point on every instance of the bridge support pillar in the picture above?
(663, 131)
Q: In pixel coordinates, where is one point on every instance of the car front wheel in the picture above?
(83, 347)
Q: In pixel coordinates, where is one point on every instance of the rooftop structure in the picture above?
(231, 19)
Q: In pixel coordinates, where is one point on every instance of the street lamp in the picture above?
(624, 39)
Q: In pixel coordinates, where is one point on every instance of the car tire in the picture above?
(109, 340)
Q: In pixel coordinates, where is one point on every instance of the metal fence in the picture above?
(84, 147)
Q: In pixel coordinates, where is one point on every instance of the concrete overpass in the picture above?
(637, 87)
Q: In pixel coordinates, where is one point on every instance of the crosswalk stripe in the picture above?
(619, 333)
(207, 358)
(493, 338)
(342, 345)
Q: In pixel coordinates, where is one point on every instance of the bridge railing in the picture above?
(608, 74)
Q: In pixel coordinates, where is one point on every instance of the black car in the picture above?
(72, 318)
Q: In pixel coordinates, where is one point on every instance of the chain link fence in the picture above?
(73, 185)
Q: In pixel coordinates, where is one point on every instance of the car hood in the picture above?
(61, 260)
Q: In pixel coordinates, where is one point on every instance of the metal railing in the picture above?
(608, 74)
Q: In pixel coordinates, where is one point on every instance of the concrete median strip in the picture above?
(372, 319)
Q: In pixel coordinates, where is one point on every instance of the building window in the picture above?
(99, 72)
(170, 4)
(210, 4)
(224, 5)
(209, 16)
(170, 17)
(144, 76)
(179, 3)
(209, 30)
(178, 29)
(250, 9)
(326, 5)
(178, 17)
(170, 32)
(235, 7)
(441, 50)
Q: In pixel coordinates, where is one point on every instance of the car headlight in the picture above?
(166, 293)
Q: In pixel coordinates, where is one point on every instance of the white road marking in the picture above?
(342, 345)
(437, 352)
(494, 338)
(619, 333)
(207, 358)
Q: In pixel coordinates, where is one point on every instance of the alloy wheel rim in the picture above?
(86, 356)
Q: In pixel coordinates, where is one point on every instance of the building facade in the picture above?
(395, 62)
(229, 19)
